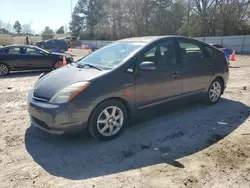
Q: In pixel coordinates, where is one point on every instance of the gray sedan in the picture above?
(103, 91)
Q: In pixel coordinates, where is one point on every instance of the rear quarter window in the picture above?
(209, 51)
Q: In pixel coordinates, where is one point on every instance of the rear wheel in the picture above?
(214, 92)
(108, 120)
(4, 69)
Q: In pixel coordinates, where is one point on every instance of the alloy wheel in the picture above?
(4, 70)
(110, 121)
(215, 91)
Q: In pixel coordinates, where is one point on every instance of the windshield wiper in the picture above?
(88, 65)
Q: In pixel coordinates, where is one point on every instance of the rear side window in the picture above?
(210, 51)
(190, 49)
(2, 51)
(14, 51)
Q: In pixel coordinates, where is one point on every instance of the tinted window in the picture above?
(210, 51)
(2, 51)
(30, 51)
(161, 54)
(111, 55)
(14, 51)
(50, 41)
(190, 49)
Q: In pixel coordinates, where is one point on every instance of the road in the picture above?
(177, 146)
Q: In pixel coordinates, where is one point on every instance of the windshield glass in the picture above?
(111, 55)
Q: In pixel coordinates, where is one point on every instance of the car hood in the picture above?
(59, 54)
(55, 81)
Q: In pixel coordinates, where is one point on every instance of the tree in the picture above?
(8, 26)
(47, 31)
(60, 30)
(17, 27)
(115, 19)
(93, 15)
(66, 29)
(78, 21)
(26, 29)
(1, 24)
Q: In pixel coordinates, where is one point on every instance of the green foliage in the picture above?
(60, 30)
(115, 19)
(47, 31)
(17, 27)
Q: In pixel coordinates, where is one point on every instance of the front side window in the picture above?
(190, 49)
(111, 55)
(162, 54)
(30, 51)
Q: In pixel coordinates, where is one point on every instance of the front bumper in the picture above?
(57, 119)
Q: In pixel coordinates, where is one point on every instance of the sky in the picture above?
(40, 13)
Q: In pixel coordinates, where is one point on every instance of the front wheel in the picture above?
(214, 92)
(4, 69)
(107, 120)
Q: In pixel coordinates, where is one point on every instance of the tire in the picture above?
(214, 92)
(4, 69)
(103, 124)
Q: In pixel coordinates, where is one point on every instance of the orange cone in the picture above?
(64, 61)
(232, 58)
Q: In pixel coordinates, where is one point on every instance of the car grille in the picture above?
(39, 122)
(39, 99)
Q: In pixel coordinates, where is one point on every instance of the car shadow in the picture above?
(16, 74)
(160, 135)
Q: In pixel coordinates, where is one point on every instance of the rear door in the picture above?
(197, 66)
(16, 58)
(164, 82)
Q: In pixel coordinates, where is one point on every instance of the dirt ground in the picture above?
(193, 145)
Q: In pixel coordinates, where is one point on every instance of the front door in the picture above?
(197, 66)
(165, 81)
(36, 58)
(16, 58)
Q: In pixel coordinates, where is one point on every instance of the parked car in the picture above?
(104, 90)
(26, 57)
(53, 45)
(226, 50)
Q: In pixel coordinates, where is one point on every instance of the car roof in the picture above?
(19, 45)
(148, 39)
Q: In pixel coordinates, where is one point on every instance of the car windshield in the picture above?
(112, 55)
(40, 49)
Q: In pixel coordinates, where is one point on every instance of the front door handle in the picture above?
(176, 74)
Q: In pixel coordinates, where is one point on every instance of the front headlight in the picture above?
(69, 92)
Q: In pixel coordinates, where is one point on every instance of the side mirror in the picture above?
(147, 66)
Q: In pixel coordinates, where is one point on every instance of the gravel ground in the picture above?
(191, 145)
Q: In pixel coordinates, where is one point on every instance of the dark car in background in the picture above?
(27, 57)
(102, 91)
(53, 45)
